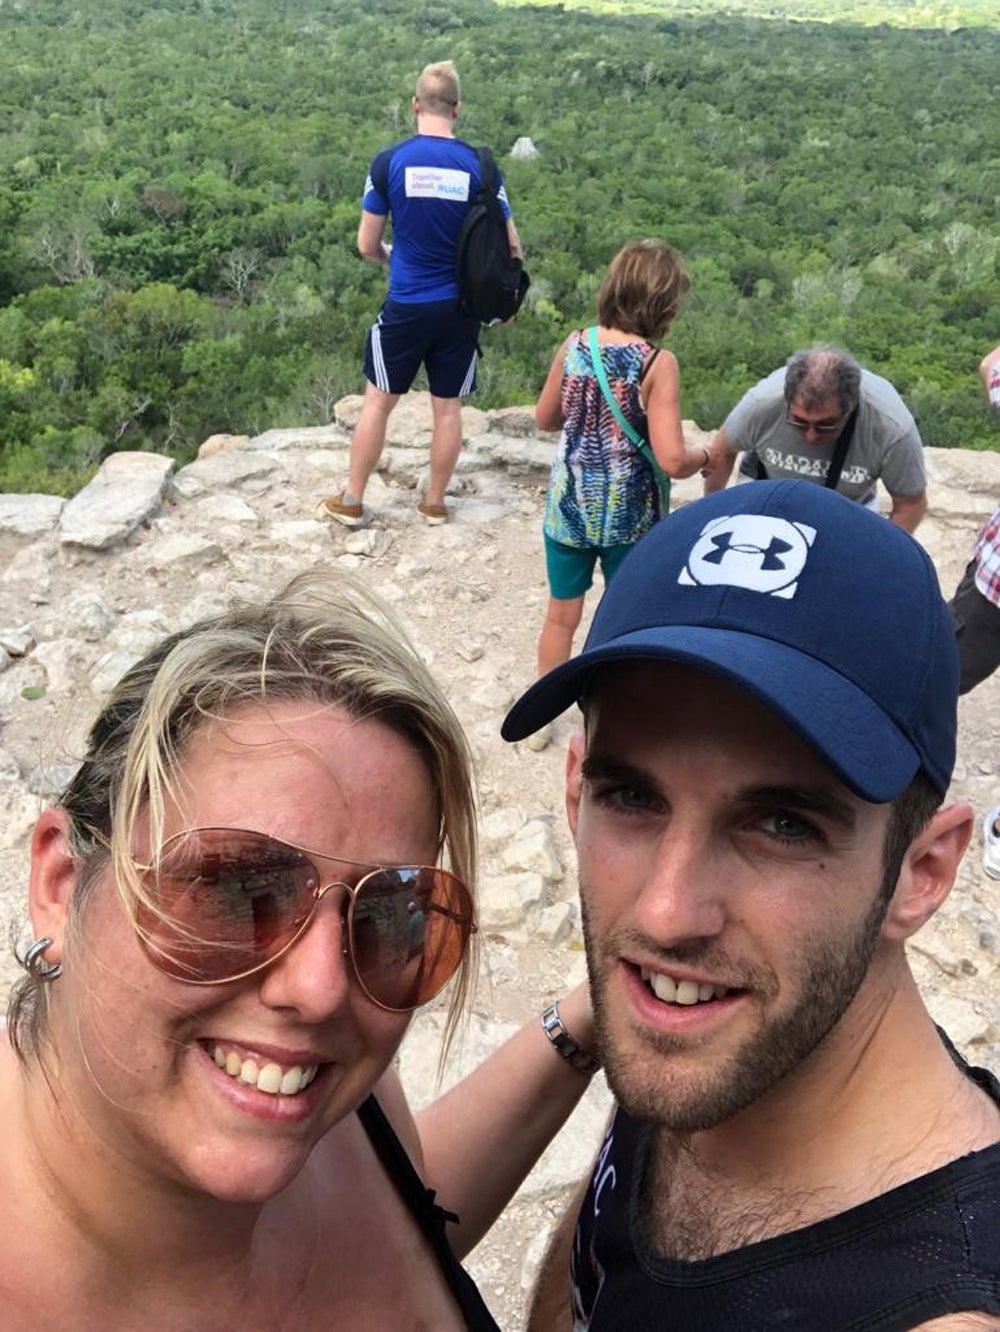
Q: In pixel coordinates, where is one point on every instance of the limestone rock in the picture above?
(524, 149)
(183, 549)
(505, 899)
(127, 489)
(512, 421)
(110, 669)
(139, 631)
(31, 566)
(66, 662)
(469, 649)
(501, 825)
(224, 508)
(49, 780)
(222, 444)
(556, 922)
(88, 616)
(298, 437)
(29, 515)
(411, 423)
(533, 850)
(19, 810)
(960, 1019)
(18, 642)
(221, 471)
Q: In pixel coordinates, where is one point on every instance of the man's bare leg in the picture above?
(446, 445)
(368, 440)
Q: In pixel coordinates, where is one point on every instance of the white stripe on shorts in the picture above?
(470, 377)
(378, 359)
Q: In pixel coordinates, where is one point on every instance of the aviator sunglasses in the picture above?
(223, 903)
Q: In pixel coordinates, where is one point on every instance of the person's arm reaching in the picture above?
(481, 1138)
(370, 243)
(719, 467)
(907, 510)
(661, 395)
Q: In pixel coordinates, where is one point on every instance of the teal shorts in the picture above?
(571, 568)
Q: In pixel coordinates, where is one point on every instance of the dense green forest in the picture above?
(180, 183)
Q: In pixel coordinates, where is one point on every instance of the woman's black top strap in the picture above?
(429, 1216)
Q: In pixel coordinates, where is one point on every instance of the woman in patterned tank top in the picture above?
(603, 495)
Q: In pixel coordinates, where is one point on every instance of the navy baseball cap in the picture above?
(828, 614)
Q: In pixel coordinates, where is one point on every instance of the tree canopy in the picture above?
(180, 183)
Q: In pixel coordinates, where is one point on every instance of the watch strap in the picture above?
(564, 1043)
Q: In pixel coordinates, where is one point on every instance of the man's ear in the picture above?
(928, 871)
(574, 779)
(52, 880)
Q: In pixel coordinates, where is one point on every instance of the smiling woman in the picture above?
(261, 868)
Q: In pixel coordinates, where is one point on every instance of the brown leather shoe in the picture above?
(433, 514)
(350, 515)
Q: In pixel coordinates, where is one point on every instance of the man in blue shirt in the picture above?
(426, 183)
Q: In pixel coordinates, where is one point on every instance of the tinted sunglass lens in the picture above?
(409, 929)
(225, 902)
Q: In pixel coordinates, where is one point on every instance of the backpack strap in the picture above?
(487, 170)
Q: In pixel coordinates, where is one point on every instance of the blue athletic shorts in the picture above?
(571, 568)
(432, 333)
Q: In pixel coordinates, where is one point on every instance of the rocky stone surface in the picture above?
(161, 550)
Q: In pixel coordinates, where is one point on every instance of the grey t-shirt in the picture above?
(886, 444)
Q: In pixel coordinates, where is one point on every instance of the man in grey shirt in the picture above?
(789, 424)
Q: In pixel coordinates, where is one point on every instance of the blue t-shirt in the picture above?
(431, 183)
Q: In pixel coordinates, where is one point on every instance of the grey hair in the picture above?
(324, 638)
(821, 373)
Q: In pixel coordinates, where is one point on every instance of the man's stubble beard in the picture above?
(827, 977)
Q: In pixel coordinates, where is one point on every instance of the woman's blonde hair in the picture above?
(644, 289)
(325, 638)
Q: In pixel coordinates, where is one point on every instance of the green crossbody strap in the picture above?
(627, 429)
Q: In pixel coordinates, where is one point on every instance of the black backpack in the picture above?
(491, 282)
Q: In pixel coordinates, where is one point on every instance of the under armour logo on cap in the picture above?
(752, 551)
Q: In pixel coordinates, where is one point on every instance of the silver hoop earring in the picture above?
(35, 964)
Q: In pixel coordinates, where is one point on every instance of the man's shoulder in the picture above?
(761, 405)
(882, 401)
(391, 149)
(767, 392)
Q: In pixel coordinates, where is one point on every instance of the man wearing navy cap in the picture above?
(769, 695)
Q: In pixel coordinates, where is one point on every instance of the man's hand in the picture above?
(719, 463)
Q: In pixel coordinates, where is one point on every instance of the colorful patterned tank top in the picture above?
(601, 489)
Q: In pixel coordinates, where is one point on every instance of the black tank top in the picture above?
(428, 1215)
(922, 1250)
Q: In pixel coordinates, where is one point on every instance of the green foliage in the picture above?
(180, 185)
